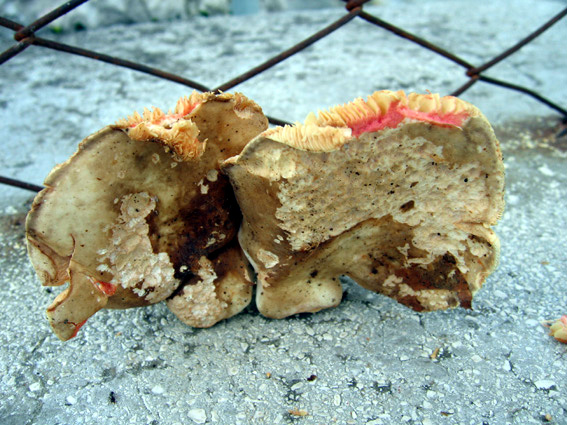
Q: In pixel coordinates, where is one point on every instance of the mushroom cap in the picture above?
(558, 329)
(398, 192)
(126, 219)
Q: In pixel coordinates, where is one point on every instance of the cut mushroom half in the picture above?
(141, 209)
(397, 192)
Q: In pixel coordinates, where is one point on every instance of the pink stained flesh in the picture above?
(78, 326)
(396, 114)
(106, 288)
(175, 117)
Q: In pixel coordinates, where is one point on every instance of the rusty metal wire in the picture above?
(18, 183)
(25, 37)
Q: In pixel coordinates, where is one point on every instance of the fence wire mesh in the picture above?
(25, 36)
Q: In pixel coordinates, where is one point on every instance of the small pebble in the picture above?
(546, 171)
(498, 293)
(544, 384)
(198, 416)
(158, 389)
(297, 386)
(513, 199)
(337, 400)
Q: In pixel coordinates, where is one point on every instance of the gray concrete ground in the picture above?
(369, 361)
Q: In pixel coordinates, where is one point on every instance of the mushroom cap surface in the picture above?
(397, 192)
(128, 217)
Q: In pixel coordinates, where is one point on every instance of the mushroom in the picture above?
(558, 328)
(141, 209)
(397, 192)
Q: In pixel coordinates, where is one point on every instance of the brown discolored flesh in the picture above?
(404, 211)
(132, 210)
(220, 288)
(202, 225)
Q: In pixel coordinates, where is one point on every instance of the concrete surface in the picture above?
(103, 13)
(369, 361)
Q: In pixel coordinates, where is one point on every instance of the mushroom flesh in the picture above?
(141, 209)
(397, 192)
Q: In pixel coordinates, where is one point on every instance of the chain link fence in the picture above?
(25, 37)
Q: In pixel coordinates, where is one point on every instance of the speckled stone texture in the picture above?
(369, 361)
